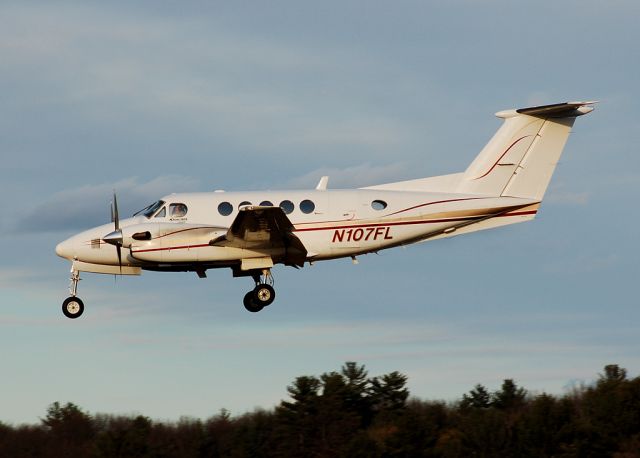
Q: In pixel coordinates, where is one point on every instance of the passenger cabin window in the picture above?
(177, 210)
(287, 206)
(378, 205)
(307, 206)
(244, 203)
(225, 208)
(266, 203)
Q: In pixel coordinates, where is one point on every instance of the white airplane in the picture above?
(250, 232)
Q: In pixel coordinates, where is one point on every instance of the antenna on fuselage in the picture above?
(322, 184)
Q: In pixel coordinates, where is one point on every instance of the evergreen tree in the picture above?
(389, 393)
(70, 428)
(509, 396)
(478, 398)
(357, 399)
(122, 437)
(297, 420)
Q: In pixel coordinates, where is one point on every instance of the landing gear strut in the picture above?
(72, 307)
(263, 294)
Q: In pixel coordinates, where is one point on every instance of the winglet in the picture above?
(322, 184)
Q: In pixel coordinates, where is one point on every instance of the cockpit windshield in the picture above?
(150, 210)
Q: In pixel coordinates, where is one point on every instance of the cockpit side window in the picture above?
(162, 213)
(177, 210)
(149, 210)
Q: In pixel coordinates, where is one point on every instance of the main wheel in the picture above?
(249, 303)
(72, 307)
(263, 294)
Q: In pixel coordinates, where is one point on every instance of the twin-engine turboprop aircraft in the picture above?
(250, 232)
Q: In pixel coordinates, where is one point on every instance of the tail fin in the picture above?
(522, 155)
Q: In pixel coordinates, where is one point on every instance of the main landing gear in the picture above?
(263, 294)
(72, 307)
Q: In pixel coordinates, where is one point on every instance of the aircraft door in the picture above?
(345, 238)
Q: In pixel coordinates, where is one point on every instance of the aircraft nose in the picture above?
(65, 249)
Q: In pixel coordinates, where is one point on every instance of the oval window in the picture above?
(287, 206)
(266, 203)
(378, 205)
(307, 206)
(244, 203)
(225, 208)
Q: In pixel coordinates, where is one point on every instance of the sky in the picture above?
(150, 97)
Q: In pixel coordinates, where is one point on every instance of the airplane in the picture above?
(251, 232)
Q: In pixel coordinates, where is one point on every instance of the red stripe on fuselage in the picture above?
(183, 247)
(433, 203)
(353, 226)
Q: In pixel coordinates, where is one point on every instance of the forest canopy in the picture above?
(347, 413)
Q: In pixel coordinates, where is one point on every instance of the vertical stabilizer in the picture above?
(521, 157)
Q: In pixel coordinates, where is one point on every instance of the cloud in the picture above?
(569, 198)
(203, 81)
(623, 180)
(310, 336)
(584, 264)
(87, 206)
(366, 132)
(354, 176)
(10, 277)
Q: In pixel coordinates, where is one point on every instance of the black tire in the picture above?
(72, 307)
(249, 304)
(264, 295)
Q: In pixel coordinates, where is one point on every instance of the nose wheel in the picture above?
(72, 307)
(262, 295)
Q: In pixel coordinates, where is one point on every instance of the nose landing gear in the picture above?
(72, 307)
(263, 294)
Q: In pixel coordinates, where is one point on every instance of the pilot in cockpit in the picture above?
(178, 210)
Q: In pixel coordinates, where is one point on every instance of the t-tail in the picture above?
(522, 155)
(517, 162)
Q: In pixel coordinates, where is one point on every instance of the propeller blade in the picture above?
(119, 250)
(114, 212)
(115, 237)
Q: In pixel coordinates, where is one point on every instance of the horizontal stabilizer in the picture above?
(559, 110)
(556, 110)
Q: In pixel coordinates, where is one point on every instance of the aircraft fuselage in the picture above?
(338, 223)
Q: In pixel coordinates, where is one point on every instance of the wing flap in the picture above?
(266, 229)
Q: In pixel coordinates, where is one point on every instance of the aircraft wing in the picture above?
(264, 229)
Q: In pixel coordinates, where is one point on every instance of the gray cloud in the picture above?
(569, 198)
(353, 176)
(88, 205)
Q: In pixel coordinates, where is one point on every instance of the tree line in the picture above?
(346, 413)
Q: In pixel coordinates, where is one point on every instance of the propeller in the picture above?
(115, 237)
